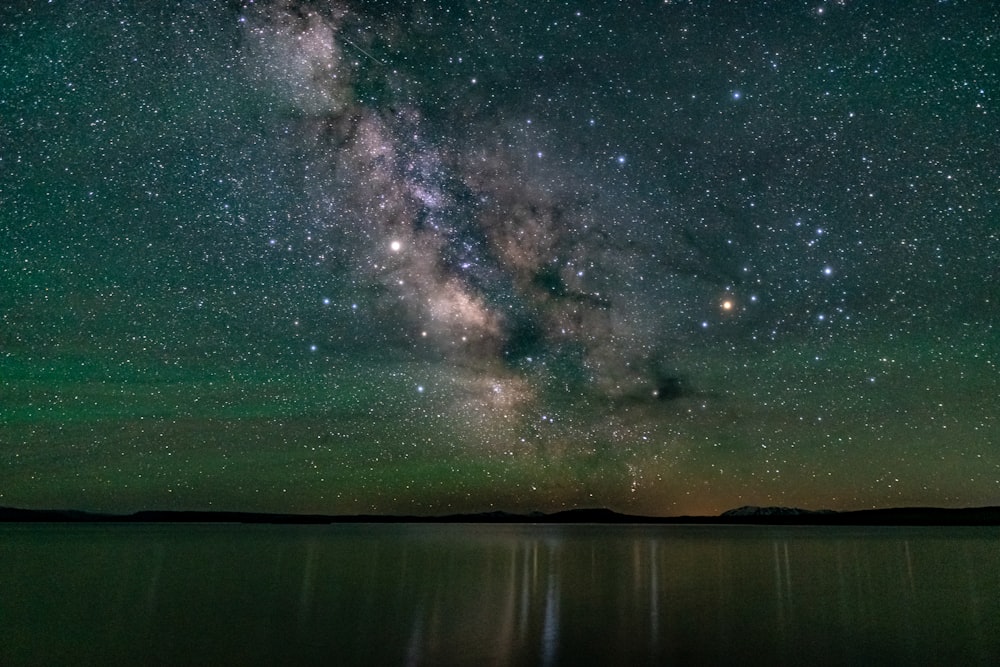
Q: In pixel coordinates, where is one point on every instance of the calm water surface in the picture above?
(497, 595)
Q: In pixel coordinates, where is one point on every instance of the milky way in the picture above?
(338, 257)
(488, 262)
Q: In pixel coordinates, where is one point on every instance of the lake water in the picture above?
(408, 594)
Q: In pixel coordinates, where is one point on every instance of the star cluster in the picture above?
(429, 257)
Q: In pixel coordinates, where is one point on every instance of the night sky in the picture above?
(432, 257)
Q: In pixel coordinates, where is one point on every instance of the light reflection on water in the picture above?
(499, 595)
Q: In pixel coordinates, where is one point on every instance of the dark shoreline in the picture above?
(780, 516)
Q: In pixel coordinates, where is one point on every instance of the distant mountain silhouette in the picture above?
(746, 515)
(753, 510)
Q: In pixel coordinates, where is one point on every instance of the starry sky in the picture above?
(429, 257)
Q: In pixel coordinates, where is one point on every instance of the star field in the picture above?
(432, 257)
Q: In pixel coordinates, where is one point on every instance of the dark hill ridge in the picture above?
(753, 510)
(747, 515)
